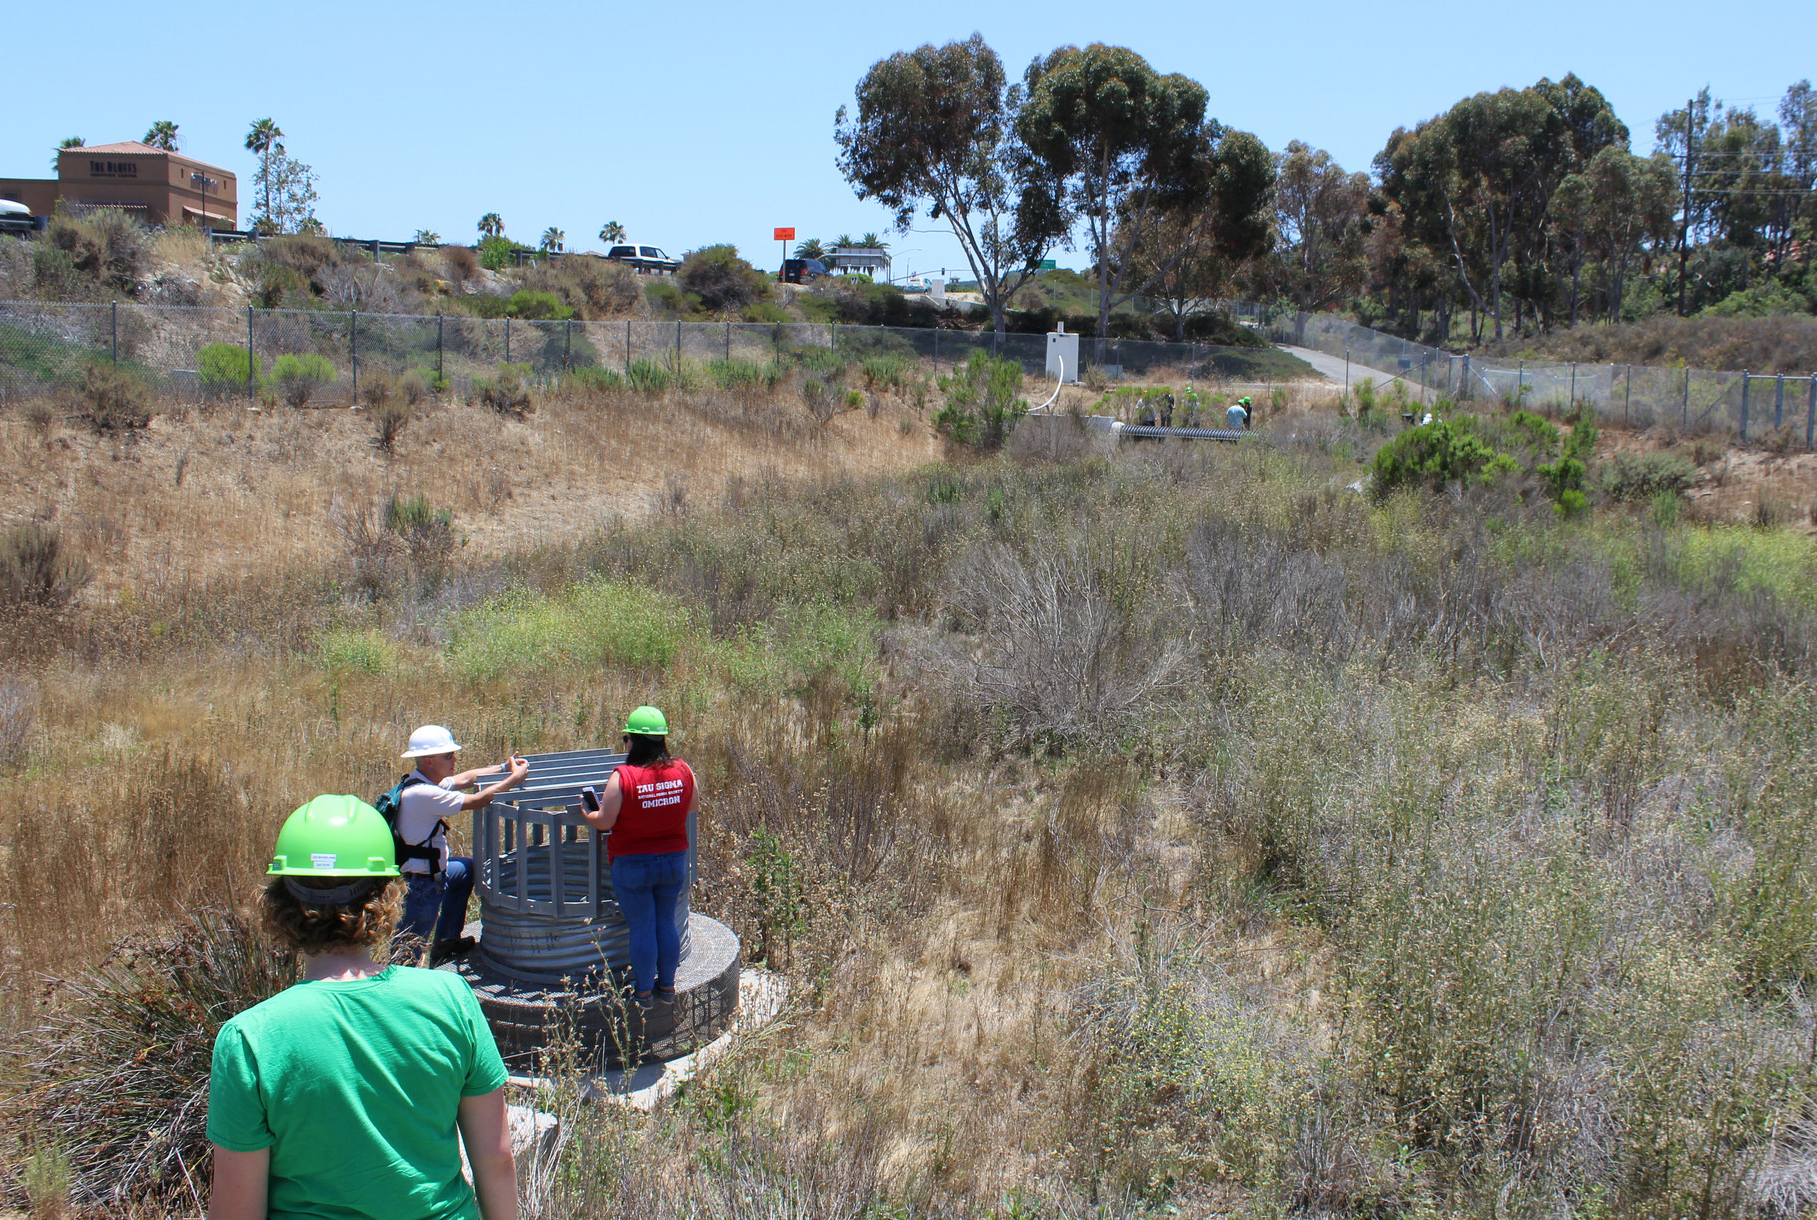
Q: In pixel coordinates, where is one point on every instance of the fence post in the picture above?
(1574, 383)
(439, 375)
(353, 349)
(937, 353)
(1744, 406)
(678, 347)
(728, 342)
(1810, 415)
(250, 392)
(1346, 371)
(1779, 401)
(1684, 419)
(508, 338)
(627, 349)
(567, 341)
(114, 314)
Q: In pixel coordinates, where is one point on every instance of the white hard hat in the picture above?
(429, 740)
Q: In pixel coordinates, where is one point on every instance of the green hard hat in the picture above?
(647, 721)
(1244, 400)
(334, 836)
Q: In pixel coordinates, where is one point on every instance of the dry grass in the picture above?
(237, 491)
(1179, 831)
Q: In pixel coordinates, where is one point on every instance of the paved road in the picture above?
(1332, 367)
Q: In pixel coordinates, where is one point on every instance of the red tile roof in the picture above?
(124, 146)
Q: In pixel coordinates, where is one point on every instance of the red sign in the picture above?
(785, 235)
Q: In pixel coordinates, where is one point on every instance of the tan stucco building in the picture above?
(160, 188)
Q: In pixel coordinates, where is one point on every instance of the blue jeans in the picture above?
(437, 904)
(648, 889)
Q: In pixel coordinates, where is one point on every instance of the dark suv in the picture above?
(644, 258)
(801, 270)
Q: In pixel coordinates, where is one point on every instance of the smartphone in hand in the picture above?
(589, 800)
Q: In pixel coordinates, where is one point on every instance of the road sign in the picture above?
(1046, 264)
(785, 235)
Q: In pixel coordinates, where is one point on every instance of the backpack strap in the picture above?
(406, 850)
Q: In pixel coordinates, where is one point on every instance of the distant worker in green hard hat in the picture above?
(342, 1095)
(1236, 417)
(646, 805)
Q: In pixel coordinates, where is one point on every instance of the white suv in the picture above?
(644, 258)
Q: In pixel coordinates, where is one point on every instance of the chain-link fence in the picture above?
(197, 353)
(1746, 405)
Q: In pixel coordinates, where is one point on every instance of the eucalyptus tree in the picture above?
(935, 129)
(1131, 149)
(1191, 257)
(1322, 222)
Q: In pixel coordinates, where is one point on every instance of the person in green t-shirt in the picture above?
(340, 1099)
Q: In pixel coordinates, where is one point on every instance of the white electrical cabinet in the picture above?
(1063, 356)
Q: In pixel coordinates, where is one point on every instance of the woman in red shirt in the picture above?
(646, 806)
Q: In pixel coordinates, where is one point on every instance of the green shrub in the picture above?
(599, 623)
(366, 652)
(743, 374)
(36, 570)
(823, 362)
(983, 403)
(592, 378)
(1435, 456)
(226, 368)
(1635, 477)
(650, 376)
(1564, 479)
(495, 252)
(720, 280)
(887, 371)
(298, 377)
(539, 306)
(666, 299)
(509, 392)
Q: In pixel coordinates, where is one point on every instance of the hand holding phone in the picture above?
(589, 800)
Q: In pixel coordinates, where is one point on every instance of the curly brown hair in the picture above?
(321, 929)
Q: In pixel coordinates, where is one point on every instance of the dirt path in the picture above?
(1333, 369)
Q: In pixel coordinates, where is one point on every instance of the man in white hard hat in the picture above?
(420, 809)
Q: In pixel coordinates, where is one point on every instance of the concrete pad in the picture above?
(760, 998)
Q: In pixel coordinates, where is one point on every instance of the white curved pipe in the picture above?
(1057, 385)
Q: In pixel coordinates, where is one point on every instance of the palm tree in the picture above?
(612, 233)
(66, 142)
(427, 237)
(163, 134)
(261, 139)
(552, 239)
(873, 241)
(811, 248)
(844, 239)
(492, 224)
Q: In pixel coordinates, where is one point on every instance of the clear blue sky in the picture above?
(695, 122)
